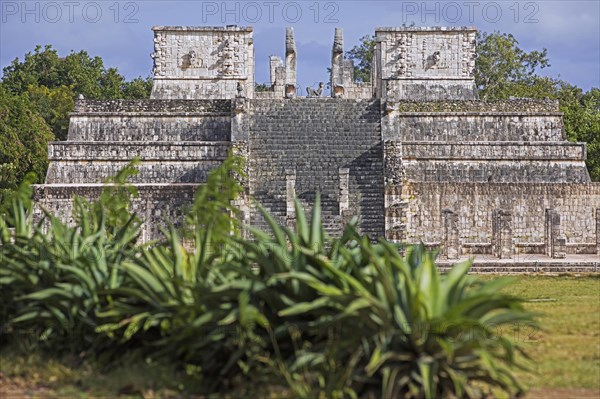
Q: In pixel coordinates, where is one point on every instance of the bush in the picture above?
(329, 317)
(367, 321)
(53, 275)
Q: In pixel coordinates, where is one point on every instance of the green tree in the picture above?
(36, 97)
(261, 87)
(502, 69)
(54, 105)
(53, 83)
(24, 137)
(136, 88)
(582, 121)
(40, 68)
(362, 55)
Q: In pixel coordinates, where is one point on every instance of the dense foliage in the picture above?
(36, 96)
(52, 82)
(327, 317)
(24, 137)
(362, 55)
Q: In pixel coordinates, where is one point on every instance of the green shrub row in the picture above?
(329, 317)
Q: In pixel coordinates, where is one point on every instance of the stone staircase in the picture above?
(311, 139)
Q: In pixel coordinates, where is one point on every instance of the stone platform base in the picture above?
(523, 264)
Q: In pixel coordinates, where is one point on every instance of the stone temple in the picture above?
(413, 154)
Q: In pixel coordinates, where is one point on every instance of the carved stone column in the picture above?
(290, 195)
(344, 200)
(290, 63)
(337, 62)
(451, 246)
(598, 231)
(239, 119)
(502, 234)
(555, 245)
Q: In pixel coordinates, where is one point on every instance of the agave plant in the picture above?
(53, 274)
(402, 329)
(190, 303)
(438, 339)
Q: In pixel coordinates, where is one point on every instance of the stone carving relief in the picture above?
(209, 55)
(433, 61)
(402, 58)
(437, 54)
(416, 54)
(468, 54)
(191, 59)
(315, 92)
(160, 42)
(228, 57)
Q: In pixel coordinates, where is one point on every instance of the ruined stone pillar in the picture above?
(344, 194)
(290, 195)
(451, 247)
(598, 231)
(395, 214)
(239, 119)
(290, 63)
(275, 66)
(548, 232)
(555, 245)
(337, 62)
(502, 234)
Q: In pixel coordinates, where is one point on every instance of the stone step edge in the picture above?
(142, 142)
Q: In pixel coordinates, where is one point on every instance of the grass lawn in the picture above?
(566, 348)
(566, 353)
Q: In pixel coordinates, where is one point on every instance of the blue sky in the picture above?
(119, 31)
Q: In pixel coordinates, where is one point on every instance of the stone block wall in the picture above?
(424, 63)
(494, 150)
(155, 205)
(160, 171)
(474, 204)
(175, 140)
(472, 121)
(421, 161)
(147, 151)
(178, 143)
(156, 120)
(202, 62)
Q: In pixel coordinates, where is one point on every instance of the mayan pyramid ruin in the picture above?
(414, 154)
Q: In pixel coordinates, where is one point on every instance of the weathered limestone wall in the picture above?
(150, 120)
(515, 120)
(494, 150)
(178, 143)
(425, 63)
(161, 162)
(202, 62)
(480, 162)
(422, 205)
(175, 140)
(149, 128)
(422, 160)
(156, 203)
(153, 151)
(477, 141)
